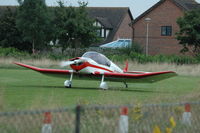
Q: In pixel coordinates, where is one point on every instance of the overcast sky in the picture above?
(137, 6)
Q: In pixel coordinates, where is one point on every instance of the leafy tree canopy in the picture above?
(73, 26)
(34, 21)
(189, 34)
(10, 36)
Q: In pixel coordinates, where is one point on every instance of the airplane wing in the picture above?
(139, 77)
(129, 77)
(49, 72)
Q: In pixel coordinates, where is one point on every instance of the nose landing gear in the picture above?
(68, 83)
(103, 85)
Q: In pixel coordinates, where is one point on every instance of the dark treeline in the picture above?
(189, 33)
(33, 26)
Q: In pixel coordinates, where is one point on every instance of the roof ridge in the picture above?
(183, 6)
(148, 10)
(106, 7)
(55, 6)
(183, 3)
(9, 5)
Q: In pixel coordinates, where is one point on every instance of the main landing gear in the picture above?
(103, 85)
(68, 83)
(126, 85)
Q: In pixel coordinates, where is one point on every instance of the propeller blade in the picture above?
(66, 63)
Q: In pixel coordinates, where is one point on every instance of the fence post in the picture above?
(123, 120)
(46, 128)
(78, 114)
(186, 118)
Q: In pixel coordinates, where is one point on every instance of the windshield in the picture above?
(97, 57)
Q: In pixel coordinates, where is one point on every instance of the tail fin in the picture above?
(126, 67)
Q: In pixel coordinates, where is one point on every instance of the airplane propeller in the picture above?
(67, 63)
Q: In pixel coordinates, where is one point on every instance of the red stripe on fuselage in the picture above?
(87, 64)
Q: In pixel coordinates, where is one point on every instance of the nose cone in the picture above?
(79, 66)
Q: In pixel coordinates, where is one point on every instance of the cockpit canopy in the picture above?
(97, 57)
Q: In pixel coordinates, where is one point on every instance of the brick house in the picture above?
(159, 24)
(113, 22)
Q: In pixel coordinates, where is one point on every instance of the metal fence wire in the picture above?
(148, 118)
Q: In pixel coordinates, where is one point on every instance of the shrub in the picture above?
(141, 58)
(12, 52)
(116, 55)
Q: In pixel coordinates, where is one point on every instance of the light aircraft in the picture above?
(96, 66)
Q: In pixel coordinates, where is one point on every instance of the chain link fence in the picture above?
(148, 118)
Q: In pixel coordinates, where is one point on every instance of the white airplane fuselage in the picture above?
(90, 66)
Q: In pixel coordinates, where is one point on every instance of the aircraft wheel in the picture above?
(68, 84)
(103, 86)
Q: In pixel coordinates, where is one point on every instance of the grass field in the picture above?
(25, 89)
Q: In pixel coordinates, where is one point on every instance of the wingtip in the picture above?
(27, 66)
(15, 63)
(18, 63)
(173, 73)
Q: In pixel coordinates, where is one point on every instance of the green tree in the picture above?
(60, 26)
(10, 36)
(189, 34)
(33, 20)
(73, 26)
(86, 32)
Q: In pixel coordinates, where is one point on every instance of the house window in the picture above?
(104, 32)
(107, 32)
(166, 30)
(101, 31)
